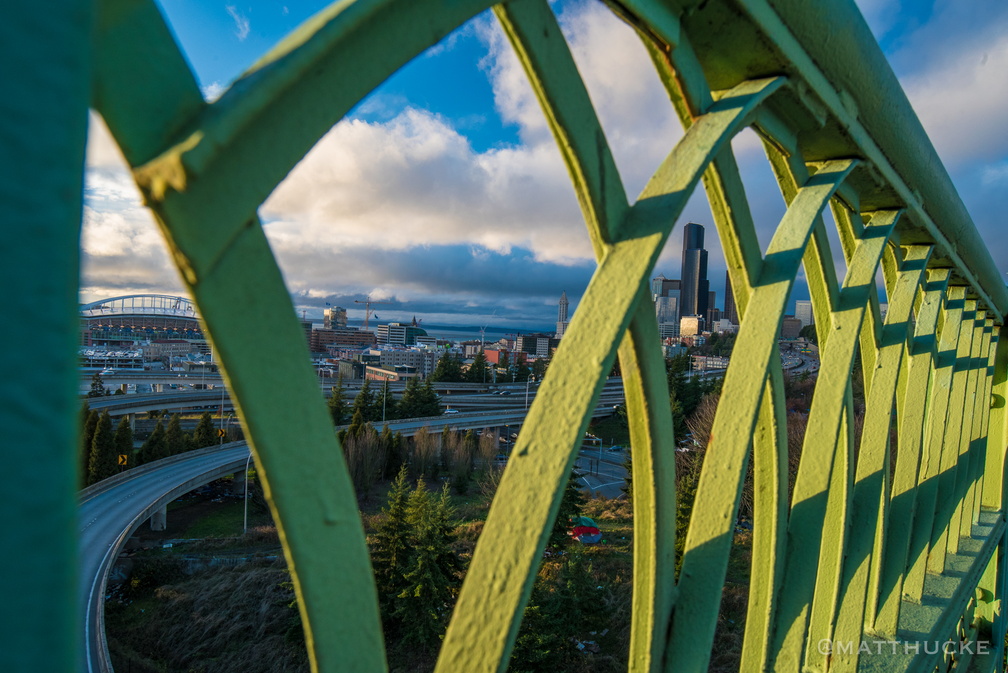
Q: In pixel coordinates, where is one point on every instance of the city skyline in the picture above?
(443, 193)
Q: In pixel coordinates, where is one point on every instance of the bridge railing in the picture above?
(878, 543)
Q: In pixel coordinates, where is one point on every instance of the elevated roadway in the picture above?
(111, 510)
(461, 397)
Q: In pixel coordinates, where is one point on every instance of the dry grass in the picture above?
(214, 622)
(241, 619)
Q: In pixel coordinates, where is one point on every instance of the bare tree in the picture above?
(365, 455)
(701, 420)
(424, 459)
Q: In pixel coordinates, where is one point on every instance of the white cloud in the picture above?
(995, 174)
(414, 178)
(962, 99)
(241, 22)
(410, 192)
(102, 150)
(213, 91)
(632, 106)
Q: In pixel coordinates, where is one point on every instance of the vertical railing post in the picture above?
(45, 70)
(993, 588)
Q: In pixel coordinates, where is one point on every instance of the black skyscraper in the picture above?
(730, 310)
(694, 272)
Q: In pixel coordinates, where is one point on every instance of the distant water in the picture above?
(467, 332)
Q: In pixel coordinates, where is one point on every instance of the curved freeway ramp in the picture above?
(111, 510)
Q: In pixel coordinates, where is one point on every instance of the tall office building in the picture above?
(803, 311)
(695, 286)
(667, 309)
(663, 287)
(562, 321)
(730, 310)
(666, 296)
(334, 318)
(713, 312)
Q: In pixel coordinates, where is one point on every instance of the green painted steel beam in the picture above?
(813, 566)
(45, 67)
(712, 522)
(937, 461)
(500, 578)
(911, 462)
(837, 563)
(578, 133)
(869, 504)
(850, 77)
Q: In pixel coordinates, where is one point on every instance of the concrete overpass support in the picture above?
(238, 485)
(159, 519)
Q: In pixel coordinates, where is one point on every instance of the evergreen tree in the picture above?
(433, 576)
(688, 467)
(409, 403)
(577, 596)
(357, 425)
(89, 420)
(627, 487)
(396, 454)
(156, 446)
(102, 463)
(571, 503)
(337, 403)
(428, 404)
(97, 386)
(364, 402)
(174, 437)
(448, 369)
(123, 442)
(678, 417)
(393, 462)
(391, 549)
(809, 332)
(478, 370)
(205, 433)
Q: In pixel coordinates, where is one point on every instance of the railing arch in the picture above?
(867, 549)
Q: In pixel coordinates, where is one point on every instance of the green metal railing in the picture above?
(878, 546)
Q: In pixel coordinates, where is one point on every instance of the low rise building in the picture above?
(691, 325)
(399, 333)
(326, 340)
(538, 345)
(400, 373)
(790, 327)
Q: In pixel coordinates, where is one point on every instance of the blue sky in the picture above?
(443, 193)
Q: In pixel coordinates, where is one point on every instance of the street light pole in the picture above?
(222, 413)
(247, 461)
(527, 382)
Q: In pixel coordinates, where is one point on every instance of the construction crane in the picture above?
(367, 308)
